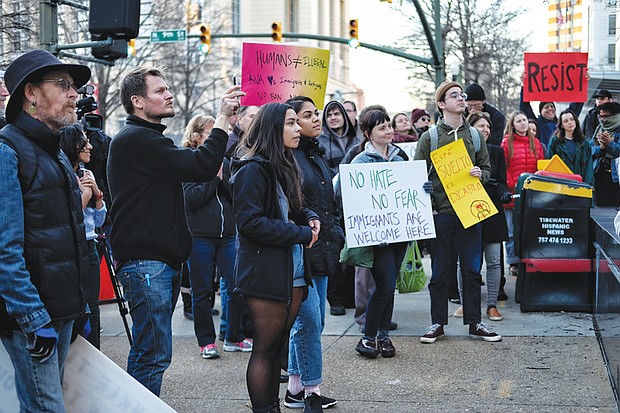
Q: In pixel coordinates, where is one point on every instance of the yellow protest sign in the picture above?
(465, 192)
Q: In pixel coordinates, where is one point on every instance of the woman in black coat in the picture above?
(305, 354)
(273, 227)
(494, 228)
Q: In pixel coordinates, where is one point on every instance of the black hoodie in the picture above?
(336, 146)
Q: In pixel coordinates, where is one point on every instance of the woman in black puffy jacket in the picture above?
(273, 229)
(305, 354)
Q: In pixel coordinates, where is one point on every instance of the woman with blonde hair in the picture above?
(522, 151)
(210, 217)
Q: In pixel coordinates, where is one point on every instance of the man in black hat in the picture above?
(476, 101)
(43, 240)
(591, 122)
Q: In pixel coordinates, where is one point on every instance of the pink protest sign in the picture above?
(277, 72)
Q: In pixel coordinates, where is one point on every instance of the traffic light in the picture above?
(117, 50)
(353, 33)
(205, 38)
(276, 31)
(119, 19)
(131, 47)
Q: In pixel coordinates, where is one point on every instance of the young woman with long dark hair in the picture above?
(273, 229)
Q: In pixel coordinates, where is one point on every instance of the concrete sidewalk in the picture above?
(547, 362)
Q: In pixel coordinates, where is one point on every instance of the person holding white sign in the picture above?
(453, 240)
(377, 147)
(273, 226)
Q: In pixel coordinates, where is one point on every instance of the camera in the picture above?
(87, 104)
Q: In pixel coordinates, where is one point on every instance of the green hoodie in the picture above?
(441, 204)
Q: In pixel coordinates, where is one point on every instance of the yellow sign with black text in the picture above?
(465, 192)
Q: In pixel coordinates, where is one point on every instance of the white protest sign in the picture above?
(384, 202)
(92, 383)
(408, 148)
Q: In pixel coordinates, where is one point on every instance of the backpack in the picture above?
(26, 156)
(475, 136)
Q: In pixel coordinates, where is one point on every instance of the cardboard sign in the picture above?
(465, 192)
(384, 202)
(92, 383)
(275, 73)
(555, 77)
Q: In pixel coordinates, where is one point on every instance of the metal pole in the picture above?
(440, 64)
(48, 22)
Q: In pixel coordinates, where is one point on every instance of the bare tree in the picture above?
(16, 28)
(483, 44)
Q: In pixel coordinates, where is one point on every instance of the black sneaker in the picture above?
(479, 330)
(432, 334)
(387, 348)
(296, 401)
(312, 404)
(367, 348)
(337, 310)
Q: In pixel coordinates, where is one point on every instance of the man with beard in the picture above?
(43, 239)
(149, 236)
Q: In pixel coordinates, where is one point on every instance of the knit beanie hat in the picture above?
(475, 92)
(442, 89)
(541, 105)
(416, 114)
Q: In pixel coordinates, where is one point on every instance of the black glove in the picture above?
(44, 344)
(428, 187)
(505, 198)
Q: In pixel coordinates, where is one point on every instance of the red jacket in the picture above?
(522, 160)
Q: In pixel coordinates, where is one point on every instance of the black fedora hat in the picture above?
(30, 67)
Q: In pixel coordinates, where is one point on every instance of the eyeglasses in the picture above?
(425, 119)
(63, 83)
(457, 95)
(478, 106)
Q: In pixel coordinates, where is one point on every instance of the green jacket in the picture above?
(441, 204)
(581, 163)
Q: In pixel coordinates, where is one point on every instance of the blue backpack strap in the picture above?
(26, 156)
(475, 136)
(434, 137)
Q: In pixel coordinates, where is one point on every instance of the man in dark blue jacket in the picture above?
(43, 239)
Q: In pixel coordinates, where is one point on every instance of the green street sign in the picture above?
(160, 36)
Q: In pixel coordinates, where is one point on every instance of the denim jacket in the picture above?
(19, 293)
(613, 149)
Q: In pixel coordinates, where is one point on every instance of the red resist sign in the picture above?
(555, 77)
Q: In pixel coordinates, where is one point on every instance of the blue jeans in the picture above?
(39, 385)
(207, 253)
(152, 289)
(455, 241)
(380, 307)
(305, 356)
(511, 258)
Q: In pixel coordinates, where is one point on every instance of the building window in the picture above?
(612, 24)
(611, 53)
